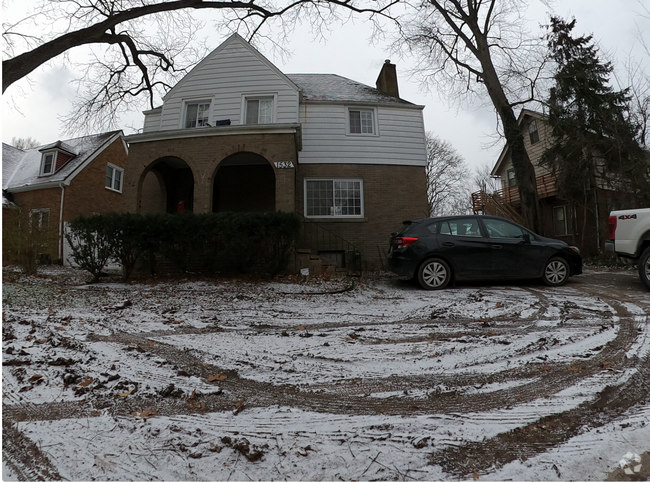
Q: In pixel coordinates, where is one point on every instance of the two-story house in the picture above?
(585, 226)
(45, 187)
(237, 134)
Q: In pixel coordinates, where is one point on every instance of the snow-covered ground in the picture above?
(238, 380)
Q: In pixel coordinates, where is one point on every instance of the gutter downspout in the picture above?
(62, 186)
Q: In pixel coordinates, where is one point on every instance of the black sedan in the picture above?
(437, 250)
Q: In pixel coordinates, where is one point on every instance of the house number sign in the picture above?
(284, 165)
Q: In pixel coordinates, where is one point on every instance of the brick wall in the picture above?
(392, 194)
(203, 155)
(86, 195)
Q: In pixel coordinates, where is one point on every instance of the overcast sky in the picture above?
(31, 108)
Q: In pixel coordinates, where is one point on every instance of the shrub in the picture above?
(91, 243)
(242, 242)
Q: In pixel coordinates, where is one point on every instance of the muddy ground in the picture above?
(324, 379)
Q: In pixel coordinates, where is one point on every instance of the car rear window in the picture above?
(405, 228)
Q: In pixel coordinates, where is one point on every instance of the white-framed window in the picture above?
(533, 133)
(114, 177)
(361, 121)
(40, 219)
(48, 163)
(197, 114)
(334, 198)
(259, 109)
(563, 220)
(512, 180)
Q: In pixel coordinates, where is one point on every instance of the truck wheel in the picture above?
(644, 267)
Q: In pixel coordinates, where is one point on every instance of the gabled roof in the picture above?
(520, 119)
(234, 38)
(334, 88)
(21, 169)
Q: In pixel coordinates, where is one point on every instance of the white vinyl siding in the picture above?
(223, 77)
(325, 138)
(152, 121)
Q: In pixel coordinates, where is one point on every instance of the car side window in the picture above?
(461, 227)
(433, 228)
(503, 229)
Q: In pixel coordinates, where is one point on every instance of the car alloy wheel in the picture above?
(556, 272)
(434, 274)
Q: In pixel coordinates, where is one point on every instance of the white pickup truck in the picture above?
(629, 238)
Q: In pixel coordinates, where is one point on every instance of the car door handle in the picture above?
(448, 244)
(497, 246)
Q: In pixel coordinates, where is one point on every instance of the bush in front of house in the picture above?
(92, 243)
(257, 243)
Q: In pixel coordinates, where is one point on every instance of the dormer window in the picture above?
(197, 114)
(47, 163)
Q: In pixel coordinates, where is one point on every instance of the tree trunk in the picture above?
(524, 170)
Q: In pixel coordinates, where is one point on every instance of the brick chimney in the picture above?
(387, 80)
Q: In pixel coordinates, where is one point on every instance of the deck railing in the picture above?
(506, 201)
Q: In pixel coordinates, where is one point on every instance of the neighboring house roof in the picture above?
(21, 169)
(334, 88)
(520, 119)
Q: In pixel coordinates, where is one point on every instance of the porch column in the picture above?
(202, 194)
(285, 188)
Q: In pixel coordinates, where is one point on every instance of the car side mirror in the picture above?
(526, 238)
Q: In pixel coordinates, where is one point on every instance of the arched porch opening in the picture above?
(244, 182)
(167, 186)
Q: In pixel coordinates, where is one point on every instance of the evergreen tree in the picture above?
(594, 139)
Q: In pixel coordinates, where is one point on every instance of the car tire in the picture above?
(434, 274)
(644, 268)
(556, 272)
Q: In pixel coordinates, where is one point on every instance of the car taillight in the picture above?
(402, 242)
(612, 228)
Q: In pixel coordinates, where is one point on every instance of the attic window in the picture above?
(47, 163)
(533, 133)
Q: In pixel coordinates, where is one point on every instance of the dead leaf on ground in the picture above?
(215, 448)
(300, 328)
(60, 328)
(41, 341)
(492, 333)
(499, 304)
(475, 476)
(26, 388)
(177, 322)
(574, 369)
(546, 367)
(86, 382)
(125, 394)
(95, 413)
(239, 406)
(35, 378)
(606, 364)
(144, 413)
(217, 378)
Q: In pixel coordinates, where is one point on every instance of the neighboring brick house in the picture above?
(52, 184)
(585, 226)
(237, 134)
